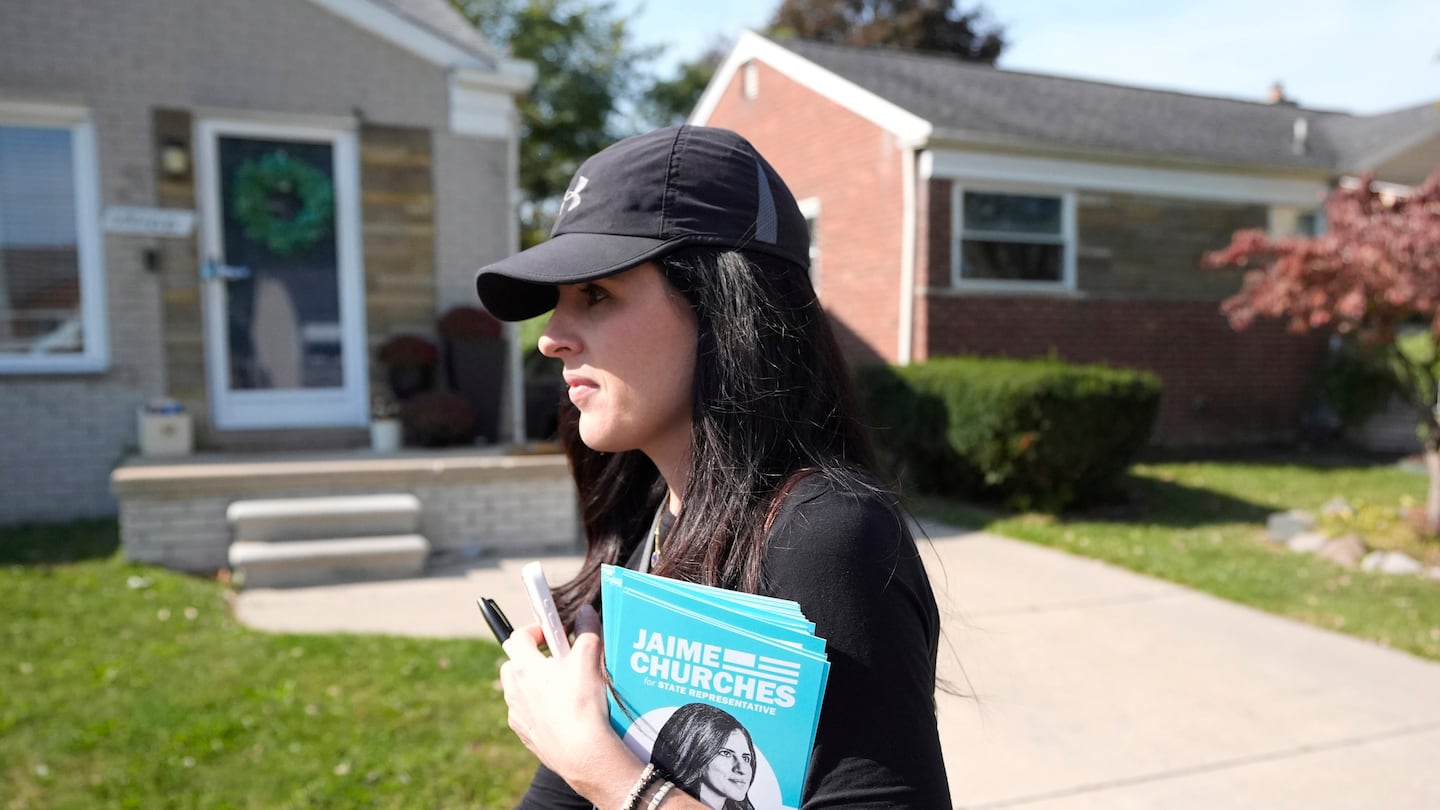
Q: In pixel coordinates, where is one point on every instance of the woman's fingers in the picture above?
(557, 706)
(524, 642)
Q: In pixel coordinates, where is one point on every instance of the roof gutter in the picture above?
(909, 221)
(962, 139)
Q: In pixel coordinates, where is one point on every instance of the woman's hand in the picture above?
(558, 710)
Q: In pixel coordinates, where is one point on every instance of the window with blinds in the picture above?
(48, 242)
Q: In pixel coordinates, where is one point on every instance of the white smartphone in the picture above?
(533, 575)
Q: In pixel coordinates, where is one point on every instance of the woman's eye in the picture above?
(593, 294)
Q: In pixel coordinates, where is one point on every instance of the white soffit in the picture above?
(482, 102)
(482, 106)
(910, 128)
(970, 167)
(401, 31)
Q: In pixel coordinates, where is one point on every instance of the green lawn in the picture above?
(1202, 525)
(129, 686)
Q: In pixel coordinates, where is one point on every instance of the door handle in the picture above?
(212, 268)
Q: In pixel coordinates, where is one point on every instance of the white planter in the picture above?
(164, 434)
(385, 435)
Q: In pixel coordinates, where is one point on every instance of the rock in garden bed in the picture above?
(1299, 531)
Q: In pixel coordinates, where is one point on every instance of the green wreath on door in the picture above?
(261, 185)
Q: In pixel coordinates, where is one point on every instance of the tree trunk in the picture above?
(1432, 498)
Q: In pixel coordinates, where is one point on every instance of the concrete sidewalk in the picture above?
(1095, 687)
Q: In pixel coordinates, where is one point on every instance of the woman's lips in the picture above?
(580, 388)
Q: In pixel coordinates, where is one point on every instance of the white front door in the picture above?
(283, 283)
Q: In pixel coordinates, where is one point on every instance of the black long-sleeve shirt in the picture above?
(847, 556)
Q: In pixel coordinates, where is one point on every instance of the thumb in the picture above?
(587, 620)
(587, 630)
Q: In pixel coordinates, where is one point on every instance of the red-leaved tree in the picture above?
(1373, 277)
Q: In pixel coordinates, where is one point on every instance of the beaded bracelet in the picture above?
(660, 795)
(642, 784)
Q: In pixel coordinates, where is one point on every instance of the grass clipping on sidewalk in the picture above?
(1203, 525)
(132, 686)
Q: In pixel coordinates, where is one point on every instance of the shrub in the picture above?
(1039, 434)
(1356, 384)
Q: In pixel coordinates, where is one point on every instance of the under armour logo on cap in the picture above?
(572, 195)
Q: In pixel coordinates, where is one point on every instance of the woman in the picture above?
(711, 435)
(708, 754)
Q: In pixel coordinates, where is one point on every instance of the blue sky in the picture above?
(1363, 56)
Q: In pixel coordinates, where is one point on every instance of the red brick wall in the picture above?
(855, 169)
(1220, 386)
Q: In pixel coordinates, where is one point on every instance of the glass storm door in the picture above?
(284, 330)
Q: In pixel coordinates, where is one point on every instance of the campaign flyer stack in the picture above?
(723, 688)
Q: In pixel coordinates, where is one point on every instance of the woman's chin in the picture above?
(600, 440)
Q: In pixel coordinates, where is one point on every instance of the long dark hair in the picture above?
(690, 739)
(772, 402)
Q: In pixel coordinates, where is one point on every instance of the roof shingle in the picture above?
(964, 100)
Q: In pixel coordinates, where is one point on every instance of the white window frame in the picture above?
(1067, 240)
(810, 210)
(1285, 220)
(88, 247)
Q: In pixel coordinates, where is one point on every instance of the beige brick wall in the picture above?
(472, 193)
(60, 435)
(1135, 246)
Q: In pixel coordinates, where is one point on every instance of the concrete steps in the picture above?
(288, 542)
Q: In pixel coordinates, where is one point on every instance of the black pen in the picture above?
(495, 617)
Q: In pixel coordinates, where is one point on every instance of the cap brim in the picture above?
(523, 285)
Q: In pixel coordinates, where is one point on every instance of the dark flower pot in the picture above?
(407, 381)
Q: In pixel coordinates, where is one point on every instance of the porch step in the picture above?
(261, 564)
(292, 519)
(285, 542)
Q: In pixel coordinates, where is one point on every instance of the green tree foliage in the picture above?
(588, 72)
(669, 101)
(921, 25)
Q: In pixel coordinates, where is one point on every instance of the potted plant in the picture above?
(474, 364)
(469, 322)
(438, 419)
(384, 424)
(409, 361)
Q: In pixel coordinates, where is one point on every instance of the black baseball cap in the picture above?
(642, 198)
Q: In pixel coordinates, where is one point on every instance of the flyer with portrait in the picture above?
(720, 689)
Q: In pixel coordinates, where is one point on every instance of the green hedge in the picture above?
(1038, 433)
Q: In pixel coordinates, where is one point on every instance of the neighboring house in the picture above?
(963, 209)
(230, 203)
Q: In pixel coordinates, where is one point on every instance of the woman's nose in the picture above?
(555, 340)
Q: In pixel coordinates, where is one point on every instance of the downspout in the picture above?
(512, 330)
(908, 219)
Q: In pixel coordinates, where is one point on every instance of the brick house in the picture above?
(230, 203)
(963, 209)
